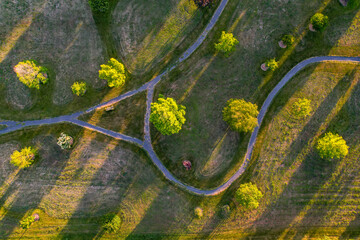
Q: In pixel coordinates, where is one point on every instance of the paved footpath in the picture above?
(150, 87)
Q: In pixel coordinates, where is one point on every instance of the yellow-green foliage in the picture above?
(272, 64)
(332, 146)
(26, 222)
(113, 72)
(241, 115)
(248, 195)
(30, 74)
(319, 21)
(79, 88)
(302, 108)
(167, 116)
(198, 212)
(226, 43)
(111, 223)
(24, 158)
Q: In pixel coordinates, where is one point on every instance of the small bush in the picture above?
(24, 158)
(100, 6)
(203, 3)
(198, 212)
(288, 39)
(79, 88)
(113, 72)
(111, 223)
(332, 146)
(227, 43)
(26, 222)
(30, 74)
(272, 64)
(302, 108)
(64, 141)
(225, 211)
(319, 21)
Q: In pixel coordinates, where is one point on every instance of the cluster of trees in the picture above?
(113, 72)
(99, 6)
(31, 74)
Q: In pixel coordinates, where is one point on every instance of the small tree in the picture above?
(111, 223)
(272, 64)
(302, 108)
(332, 146)
(319, 21)
(288, 39)
(26, 222)
(65, 141)
(203, 3)
(24, 158)
(30, 74)
(167, 116)
(227, 43)
(99, 6)
(198, 212)
(241, 115)
(113, 72)
(79, 88)
(248, 195)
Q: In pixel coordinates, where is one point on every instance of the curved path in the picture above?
(150, 87)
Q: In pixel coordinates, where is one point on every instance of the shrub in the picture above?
(203, 3)
(241, 115)
(288, 39)
(248, 195)
(332, 146)
(272, 64)
(111, 223)
(64, 141)
(30, 74)
(100, 6)
(319, 21)
(302, 108)
(113, 72)
(79, 88)
(226, 43)
(225, 211)
(198, 212)
(167, 116)
(26, 222)
(24, 158)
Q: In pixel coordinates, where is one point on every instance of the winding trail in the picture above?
(150, 87)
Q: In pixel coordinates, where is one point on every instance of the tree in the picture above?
(26, 222)
(241, 115)
(99, 6)
(198, 212)
(30, 74)
(272, 64)
(302, 108)
(332, 146)
(79, 88)
(226, 43)
(111, 223)
(248, 195)
(167, 116)
(203, 3)
(64, 141)
(113, 72)
(24, 158)
(319, 21)
(288, 39)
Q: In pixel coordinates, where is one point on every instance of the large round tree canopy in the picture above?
(248, 195)
(332, 146)
(167, 116)
(241, 115)
(113, 72)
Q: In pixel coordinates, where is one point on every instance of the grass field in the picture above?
(304, 197)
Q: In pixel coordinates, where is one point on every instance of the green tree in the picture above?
(302, 108)
(241, 115)
(26, 222)
(248, 195)
(24, 158)
(272, 64)
(99, 6)
(226, 43)
(111, 223)
(65, 141)
(113, 72)
(198, 212)
(79, 88)
(30, 74)
(288, 39)
(319, 21)
(167, 116)
(332, 146)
